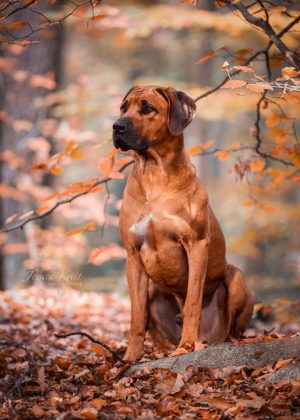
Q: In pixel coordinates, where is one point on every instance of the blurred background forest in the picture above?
(60, 92)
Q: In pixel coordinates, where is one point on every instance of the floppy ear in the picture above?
(182, 110)
(133, 87)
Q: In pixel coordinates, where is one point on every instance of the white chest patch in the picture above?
(140, 228)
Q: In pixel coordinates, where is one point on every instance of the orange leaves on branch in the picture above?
(273, 120)
(279, 134)
(194, 150)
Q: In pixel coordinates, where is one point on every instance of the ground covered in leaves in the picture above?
(44, 377)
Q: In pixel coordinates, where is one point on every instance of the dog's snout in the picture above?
(120, 126)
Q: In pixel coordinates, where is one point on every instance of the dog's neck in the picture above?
(166, 162)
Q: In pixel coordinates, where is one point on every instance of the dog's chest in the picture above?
(156, 227)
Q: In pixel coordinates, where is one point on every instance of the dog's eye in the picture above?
(147, 109)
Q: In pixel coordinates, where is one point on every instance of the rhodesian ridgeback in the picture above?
(181, 286)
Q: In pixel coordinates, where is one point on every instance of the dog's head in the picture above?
(150, 115)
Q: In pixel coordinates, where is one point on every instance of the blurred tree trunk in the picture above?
(19, 102)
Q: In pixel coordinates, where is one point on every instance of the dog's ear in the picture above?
(182, 109)
(133, 87)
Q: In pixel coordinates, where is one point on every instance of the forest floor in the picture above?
(45, 377)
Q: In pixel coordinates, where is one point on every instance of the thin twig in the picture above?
(93, 340)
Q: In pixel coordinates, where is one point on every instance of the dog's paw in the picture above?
(132, 355)
(178, 352)
(199, 345)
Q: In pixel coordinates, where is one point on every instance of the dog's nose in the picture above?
(120, 126)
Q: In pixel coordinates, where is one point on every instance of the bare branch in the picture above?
(93, 340)
(18, 9)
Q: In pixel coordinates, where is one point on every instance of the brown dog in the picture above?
(176, 267)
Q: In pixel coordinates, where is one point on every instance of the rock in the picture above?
(253, 355)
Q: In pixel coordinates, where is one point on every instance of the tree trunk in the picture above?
(19, 104)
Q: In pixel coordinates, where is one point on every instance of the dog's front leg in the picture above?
(197, 254)
(138, 288)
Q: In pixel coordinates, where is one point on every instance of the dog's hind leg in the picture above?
(162, 311)
(239, 302)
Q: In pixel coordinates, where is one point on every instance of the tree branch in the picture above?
(93, 340)
(35, 216)
(268, 30)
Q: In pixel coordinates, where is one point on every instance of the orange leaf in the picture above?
(207, 144)
(259, 87)
(247, 203)
(98, 349)
(105, 165)
(222, 154)
(199, 147)
(76, 154)
(98, 403)
(279, 134)
(90, 226)
(124, 160)
(194, 150)
(16, 25)
(234, 84)
(62, 362)
(15, 248)
(94, 254)
(26, 43)
(116, 175)
(192, 2)
(56, 170)
(245, 69)
(98, 17)
(273, 120)
(220, 3)
(209, 55)
(289, 72)
(71, 145)
(97, 189)
(11, 218)
(73, 232)
(89, 413)
(257, 166)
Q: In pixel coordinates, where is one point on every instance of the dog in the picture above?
(181, 287)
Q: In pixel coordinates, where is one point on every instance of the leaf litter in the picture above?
(43, 377)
